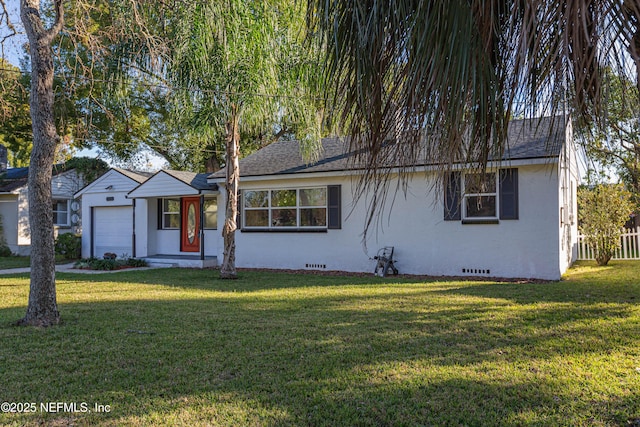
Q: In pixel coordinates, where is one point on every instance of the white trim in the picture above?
(495, 194)
(105, 176)
(418, 169)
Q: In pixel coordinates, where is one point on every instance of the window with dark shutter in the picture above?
(239, 215)
(452, 211)
(509, 193)
(334, 207)
(159, 214)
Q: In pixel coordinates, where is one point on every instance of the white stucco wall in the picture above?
(424, 243)
(568, 176)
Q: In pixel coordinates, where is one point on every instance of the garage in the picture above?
(113, 230)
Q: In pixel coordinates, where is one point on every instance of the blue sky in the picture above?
(13, 45)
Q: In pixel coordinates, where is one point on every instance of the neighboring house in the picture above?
(14, 205)
(296, 215)
(167, 218)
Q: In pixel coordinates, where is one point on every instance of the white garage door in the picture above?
(112, 230)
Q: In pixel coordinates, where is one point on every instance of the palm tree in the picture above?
(242, 65)
(459, 70)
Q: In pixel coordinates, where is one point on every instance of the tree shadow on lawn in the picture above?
(562, 292)
(388, 358)
(248, 281)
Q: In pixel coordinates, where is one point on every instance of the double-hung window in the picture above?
(282, 209)
(170, 216)
(61, 212)
(481, 197)
(210, 209)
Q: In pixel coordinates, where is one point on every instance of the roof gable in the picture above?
(119, 179)
(527, 139)
(168, 183)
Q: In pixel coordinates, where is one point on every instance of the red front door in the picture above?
(190, 230)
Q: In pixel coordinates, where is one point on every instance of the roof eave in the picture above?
(418, 169)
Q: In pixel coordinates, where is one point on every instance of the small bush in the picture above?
(5, 251)
(104, 264)
(68, 245)
(109, 263)
(134, 262)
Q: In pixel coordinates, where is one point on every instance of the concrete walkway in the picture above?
(68, 268)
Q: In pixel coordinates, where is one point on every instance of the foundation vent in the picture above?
(476, 271)
(316, 266)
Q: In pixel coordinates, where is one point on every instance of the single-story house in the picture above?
(520, 223)
(299, 215)
(169, 217)
(14, 205)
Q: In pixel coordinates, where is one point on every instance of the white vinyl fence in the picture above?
(629, 248)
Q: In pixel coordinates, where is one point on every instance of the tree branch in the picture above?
(55, 29)
(4, 16)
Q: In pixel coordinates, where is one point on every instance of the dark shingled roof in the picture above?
(196, 180)
(14, 178)
(138, 176)
(527, 139)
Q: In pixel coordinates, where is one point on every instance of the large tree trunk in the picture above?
(42, 309)
(228, 269)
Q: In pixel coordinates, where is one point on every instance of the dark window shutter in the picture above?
(159, 214)
(239, 215)
(334, 207)
(509, 193)
(452, 210)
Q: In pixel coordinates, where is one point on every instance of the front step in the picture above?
(181, 262)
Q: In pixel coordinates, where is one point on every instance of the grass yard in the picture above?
(180, 347)
(25, 261)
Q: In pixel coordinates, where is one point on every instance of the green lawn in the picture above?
(180, 347)
(25, 261)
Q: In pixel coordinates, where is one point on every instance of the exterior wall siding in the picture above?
(9, 213)
(164, 185)
(424, 243)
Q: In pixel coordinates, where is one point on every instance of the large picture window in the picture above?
(285, 208)
(61, 212)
